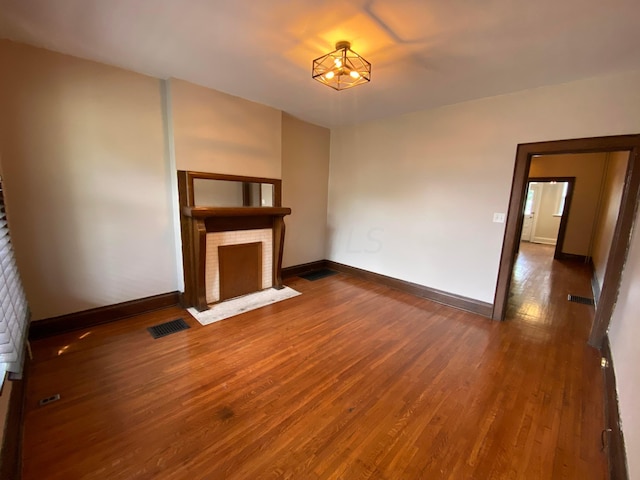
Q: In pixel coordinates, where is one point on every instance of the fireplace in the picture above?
(229, 251)
(247, 251)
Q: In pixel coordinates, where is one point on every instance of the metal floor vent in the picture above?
(168, 328)
(318, 274)
(48, 400)
(579, 299)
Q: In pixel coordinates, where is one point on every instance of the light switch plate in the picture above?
(498, 217)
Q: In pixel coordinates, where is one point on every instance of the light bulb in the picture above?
(329, 75)
(338, 62)
(354, 74)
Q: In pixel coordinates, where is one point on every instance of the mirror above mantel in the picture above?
(228, 193)
(218, 190)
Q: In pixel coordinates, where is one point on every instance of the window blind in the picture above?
(13, 304)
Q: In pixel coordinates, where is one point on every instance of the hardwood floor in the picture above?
(350, 380)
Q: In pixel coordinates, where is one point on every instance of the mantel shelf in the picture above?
(205, 212)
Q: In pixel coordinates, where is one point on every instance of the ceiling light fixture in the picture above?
(341, 69)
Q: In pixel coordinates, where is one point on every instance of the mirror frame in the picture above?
(188, 177)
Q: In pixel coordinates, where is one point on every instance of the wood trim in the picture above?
(439, 296)
(246, 194)
(11, 452)
(303, 268)
(233, 178)
(583, 145)
(614, 437)
(206, 212)
(619, 248)
(187, 178)
(232, 224)
(513, 227)
(97, 316)
(572, 257)
(186, 197)
(199, 247)
(277, 193)
(185, 189)
(620, 241)
(449, 299)
(278, 232)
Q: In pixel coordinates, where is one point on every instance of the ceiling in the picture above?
(425, 53)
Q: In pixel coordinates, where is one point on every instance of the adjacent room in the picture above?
(319, 239)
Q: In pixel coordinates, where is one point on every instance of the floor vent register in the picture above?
(583, 300)
(164, 329)
(318, 274)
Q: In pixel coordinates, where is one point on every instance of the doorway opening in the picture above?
(546, 211)
(621, 233)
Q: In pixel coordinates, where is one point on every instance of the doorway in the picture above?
(546, 211)
(622, 231)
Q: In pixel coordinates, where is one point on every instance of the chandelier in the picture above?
(341, 69)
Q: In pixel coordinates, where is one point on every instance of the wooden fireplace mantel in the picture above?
(196, 222)
(204, 212)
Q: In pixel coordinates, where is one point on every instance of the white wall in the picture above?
(83, 158)
(413, 196)
(219, 133)
(305, 175)
(624, 332)
(613, 185)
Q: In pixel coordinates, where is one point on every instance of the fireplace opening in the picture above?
(240, 269)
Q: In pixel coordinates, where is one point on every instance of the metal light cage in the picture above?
(341, 69)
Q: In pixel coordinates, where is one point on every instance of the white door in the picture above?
(529, 212)
(548, 208)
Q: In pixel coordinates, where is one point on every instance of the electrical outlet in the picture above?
(498, 217)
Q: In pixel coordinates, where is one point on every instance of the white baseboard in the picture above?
(546, 241)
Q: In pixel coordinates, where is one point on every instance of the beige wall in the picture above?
(413, 196)
(613, 185)
(219, 133)
(305, 174)
(624, 332)
(589, 171)
(86, 181)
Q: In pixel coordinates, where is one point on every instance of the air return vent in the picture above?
(48, 400)
(168, 328)
(318, 274)
(579, 299)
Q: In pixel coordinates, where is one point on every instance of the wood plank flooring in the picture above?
(349, 380)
